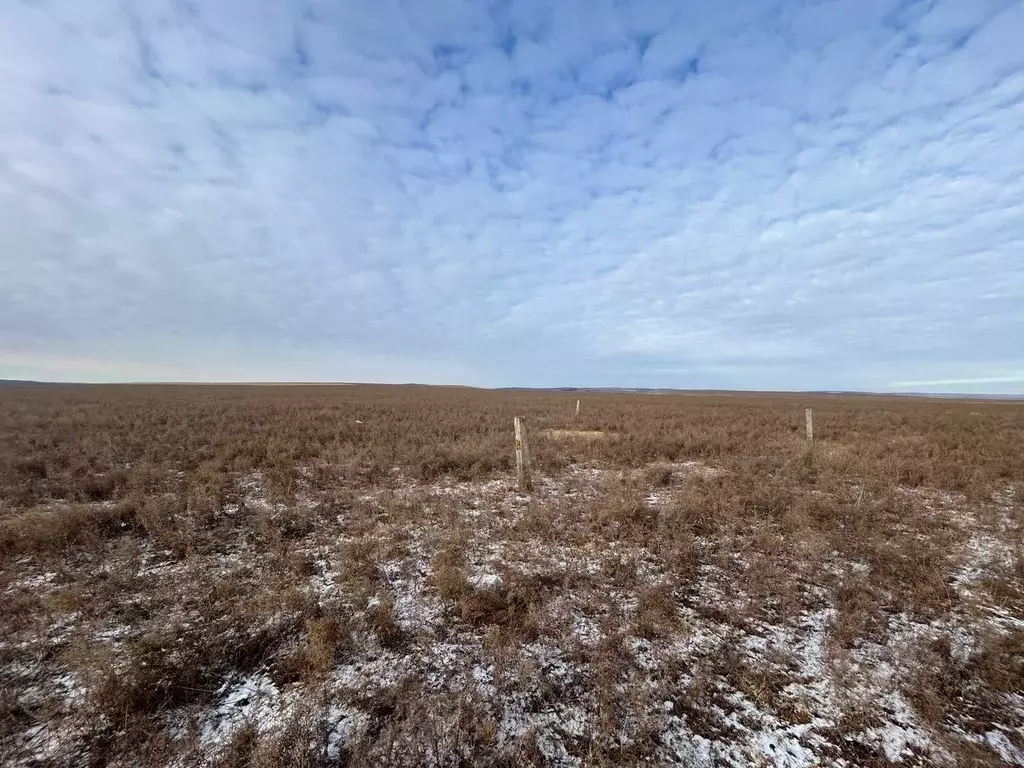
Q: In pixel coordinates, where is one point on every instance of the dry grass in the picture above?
(322, 576)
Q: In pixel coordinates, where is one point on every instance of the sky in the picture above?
(733, 195)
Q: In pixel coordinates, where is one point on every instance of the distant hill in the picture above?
(577, 390)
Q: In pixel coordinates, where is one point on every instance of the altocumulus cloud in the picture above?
(742, 194)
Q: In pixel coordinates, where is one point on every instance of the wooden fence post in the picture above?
(577, 409)
(810, 424)
(522, 455)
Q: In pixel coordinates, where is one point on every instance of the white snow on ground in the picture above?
(739, 727)
(999, 741)
(901, 732)
(484, 579)
(252, 700)
(347, 723)
(415, 607)
(750, 733)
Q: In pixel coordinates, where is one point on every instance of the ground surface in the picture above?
(349, 576)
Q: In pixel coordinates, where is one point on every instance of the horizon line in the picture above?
(561, 388)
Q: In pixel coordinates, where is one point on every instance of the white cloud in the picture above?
(822, 196)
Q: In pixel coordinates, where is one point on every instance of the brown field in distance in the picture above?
(319, 575)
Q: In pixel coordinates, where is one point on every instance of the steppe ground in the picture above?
(348, 575)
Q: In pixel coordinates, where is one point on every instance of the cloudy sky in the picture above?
(747, 194)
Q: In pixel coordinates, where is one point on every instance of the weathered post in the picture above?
(810, 424)
(577, 409)
(522, 455)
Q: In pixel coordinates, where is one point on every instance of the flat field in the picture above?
(348, 575)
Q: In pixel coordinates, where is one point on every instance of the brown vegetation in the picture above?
(346, 575)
